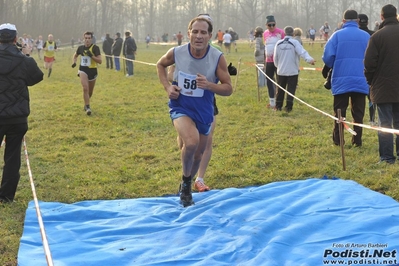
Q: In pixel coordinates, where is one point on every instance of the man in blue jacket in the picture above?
(344, 53)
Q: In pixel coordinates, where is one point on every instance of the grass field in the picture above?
(127, 148)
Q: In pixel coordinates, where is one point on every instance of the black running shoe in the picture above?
(186, 197)
(87, 109)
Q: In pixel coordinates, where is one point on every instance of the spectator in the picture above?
(286, 60)
(345, 51)
(271, 36)
(363, 22)
(107, 46)
(116, 50)
(17, 72)
(260, 55)
(381, 68)
(376, 26)
(129, 51)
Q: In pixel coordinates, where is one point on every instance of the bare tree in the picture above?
(70, 18)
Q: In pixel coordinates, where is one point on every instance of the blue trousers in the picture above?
(129, 64)
(388, 117)
(117, 64)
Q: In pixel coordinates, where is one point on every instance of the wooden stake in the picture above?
(341, 137)
(257, 81)
(238, 73)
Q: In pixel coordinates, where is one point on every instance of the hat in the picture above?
(8, 31)
(363, 19)
(206, 16)
(270, 19)
(350, 14)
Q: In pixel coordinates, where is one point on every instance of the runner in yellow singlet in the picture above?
(49, 48)
(90, 56)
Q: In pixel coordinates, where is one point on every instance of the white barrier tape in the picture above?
(311, 68)
(382, 129)
(38, 213)
(127, 59)
(260, 68)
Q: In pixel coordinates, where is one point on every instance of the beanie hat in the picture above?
(363, 19)
(350, 14)
(270, 19)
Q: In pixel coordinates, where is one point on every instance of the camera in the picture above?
(19, 46)
(327, 73)
(327, 83)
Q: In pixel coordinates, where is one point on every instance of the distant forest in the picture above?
(70, 18)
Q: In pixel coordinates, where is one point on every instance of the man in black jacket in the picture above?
(129, 51)
(17, 72)
(116, 50)
(107, 45)
(381, 68)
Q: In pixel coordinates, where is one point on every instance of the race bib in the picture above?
(85, 60)
(50, 48)
(188, 85)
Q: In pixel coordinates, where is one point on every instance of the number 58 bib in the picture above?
(188, 85)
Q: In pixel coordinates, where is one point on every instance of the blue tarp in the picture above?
(307, 222)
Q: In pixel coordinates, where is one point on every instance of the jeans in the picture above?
(12, 158)
(358, 105)
(270, 70)
(129, 64)
(289, 83)
(117, 64)
(388, 117)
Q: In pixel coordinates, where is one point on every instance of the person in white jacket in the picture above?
(287, 53)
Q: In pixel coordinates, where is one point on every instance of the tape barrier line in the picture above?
(136, 61)
(46, 246)
(260, 68)
(377, 128)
